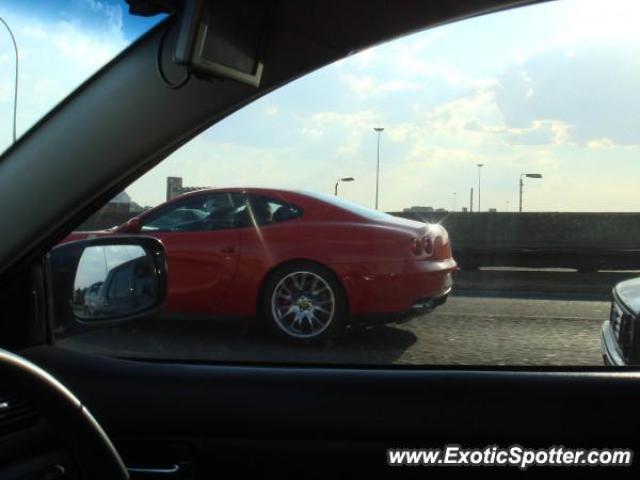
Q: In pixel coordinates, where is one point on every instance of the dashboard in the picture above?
(29, 448)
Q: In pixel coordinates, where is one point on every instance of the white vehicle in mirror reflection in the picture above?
(127, 287)
(618, 335)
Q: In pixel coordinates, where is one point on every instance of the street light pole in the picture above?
(454, 201)
(480, 165)
(345, 179)
(528, 175)
(15, 89)
(379, 130)
(521, 188)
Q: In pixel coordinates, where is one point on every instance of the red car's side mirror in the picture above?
(133, 225)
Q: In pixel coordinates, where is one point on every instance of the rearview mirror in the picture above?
(107, 278)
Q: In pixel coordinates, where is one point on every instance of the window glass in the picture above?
(265, 211)
(175, 219)
(60, 44)
(198, 212)
(465, 195)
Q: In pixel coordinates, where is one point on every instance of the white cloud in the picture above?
(351, 128)
(540, 132)
(473, 118)
(112, 13)
(594, 91)
(411, 63)
(476, 120)
(361, 85)
(83, 49)
(599, 143)
(400, 133)
(366, 86)
(311, 132)
(363, 119)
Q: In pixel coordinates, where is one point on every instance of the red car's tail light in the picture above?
(416, 246)
(427, 245)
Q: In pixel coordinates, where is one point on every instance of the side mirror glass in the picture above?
(113, 280)
(107, 278)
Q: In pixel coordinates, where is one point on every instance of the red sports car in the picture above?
(306, 262)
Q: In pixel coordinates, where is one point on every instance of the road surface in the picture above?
(465, 331)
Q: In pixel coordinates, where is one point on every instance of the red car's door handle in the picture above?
(229, 249)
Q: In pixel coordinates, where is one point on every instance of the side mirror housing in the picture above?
(108, 278)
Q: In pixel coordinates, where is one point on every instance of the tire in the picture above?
(304, 302)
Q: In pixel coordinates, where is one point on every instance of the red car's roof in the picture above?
(289, 196)
(312, 205)
(317, 205)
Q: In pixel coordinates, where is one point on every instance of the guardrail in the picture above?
(584, 241)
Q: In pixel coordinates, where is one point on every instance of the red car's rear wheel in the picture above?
(304, 302)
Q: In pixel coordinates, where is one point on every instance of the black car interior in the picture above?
(161, 419)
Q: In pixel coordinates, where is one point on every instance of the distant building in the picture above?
(175, 187)
(118, 205)
(419, 209)
(122, 198)
(119, 209)
(123, 203)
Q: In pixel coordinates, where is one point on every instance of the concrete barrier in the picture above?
(584, 241)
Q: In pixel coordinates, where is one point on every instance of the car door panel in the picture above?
(202, 246)
(201, 269)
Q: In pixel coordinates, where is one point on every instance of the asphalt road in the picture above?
(467, 330)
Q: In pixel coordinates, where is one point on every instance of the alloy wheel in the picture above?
(303, 304)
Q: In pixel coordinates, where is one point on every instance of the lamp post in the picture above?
(528, 175)
(480, 165)
(379, 130)
(15, 87)
(345, 179)
(454, 200)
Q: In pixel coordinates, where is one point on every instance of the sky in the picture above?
(551, 89)
(61, 43)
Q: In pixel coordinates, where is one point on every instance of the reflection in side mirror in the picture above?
(107, 278)
(113, 280)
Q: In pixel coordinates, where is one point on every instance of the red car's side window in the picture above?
(272, 210)
(197, 212)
